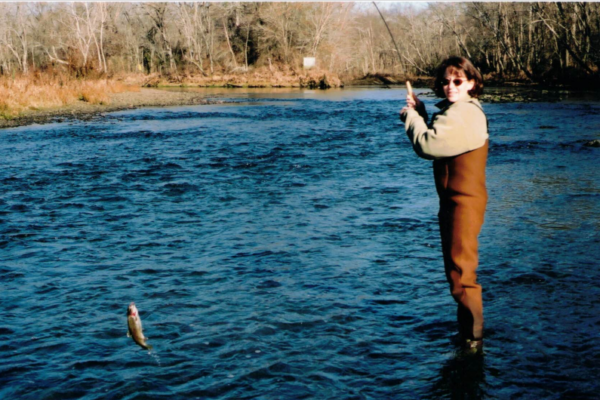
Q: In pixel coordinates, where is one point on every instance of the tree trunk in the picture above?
(229, 44)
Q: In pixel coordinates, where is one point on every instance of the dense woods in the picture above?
(538, 42)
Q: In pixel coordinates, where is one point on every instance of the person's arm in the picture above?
(461, 128)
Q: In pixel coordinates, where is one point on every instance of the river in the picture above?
(284, 245)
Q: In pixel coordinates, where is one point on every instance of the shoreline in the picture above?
(162, 97)
(81, 110)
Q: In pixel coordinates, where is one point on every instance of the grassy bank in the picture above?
(264, 77)
(24, 94)
(39, 91)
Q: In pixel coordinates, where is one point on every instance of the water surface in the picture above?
(285, 245)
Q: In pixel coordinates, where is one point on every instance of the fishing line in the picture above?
(408, 87)
(389, 31)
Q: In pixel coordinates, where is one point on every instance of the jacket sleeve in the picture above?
(461, 128)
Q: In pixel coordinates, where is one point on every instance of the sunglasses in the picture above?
(457, 82)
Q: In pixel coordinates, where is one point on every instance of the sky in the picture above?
(386, 5)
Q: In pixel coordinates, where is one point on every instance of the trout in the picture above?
(134, 325)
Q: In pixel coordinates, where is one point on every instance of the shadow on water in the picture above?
(461, 377)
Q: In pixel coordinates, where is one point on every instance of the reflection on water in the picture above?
(286, 245)
(460, 378)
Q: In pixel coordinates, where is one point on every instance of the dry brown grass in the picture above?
(39, 91)
(277, 76)
(53, 89)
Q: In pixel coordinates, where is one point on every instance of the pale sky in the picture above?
(383, 5)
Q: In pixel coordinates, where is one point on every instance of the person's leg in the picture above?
(460, 183)
(461, 235)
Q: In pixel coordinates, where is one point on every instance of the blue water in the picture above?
(285, 246)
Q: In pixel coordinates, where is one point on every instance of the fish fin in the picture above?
(129, 332)
(149, 347)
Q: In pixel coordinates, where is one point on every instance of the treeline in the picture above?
(538, 42)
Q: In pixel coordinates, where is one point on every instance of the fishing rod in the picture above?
(408, 86)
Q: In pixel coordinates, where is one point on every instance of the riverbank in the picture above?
(134, 97)
(47, 97)
(280, 76)
(82, 110)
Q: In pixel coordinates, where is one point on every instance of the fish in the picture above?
(134, 325)
(409, 88)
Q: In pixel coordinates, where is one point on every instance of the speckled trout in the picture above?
(134, 324)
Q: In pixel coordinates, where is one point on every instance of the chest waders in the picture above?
(460, 184)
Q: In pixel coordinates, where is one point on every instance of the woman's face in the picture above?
(456, 86)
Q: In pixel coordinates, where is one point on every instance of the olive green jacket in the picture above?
(456, 129)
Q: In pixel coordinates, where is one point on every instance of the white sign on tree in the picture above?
(309, 62)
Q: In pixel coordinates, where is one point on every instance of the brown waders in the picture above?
(460, 183)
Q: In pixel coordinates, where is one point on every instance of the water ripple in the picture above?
(287, 247)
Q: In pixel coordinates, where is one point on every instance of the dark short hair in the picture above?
(458, 64)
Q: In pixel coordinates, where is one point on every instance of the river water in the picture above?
(285, 246)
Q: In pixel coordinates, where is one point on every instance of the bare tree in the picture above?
(279, 28)
(82, 35)
(569, 25)
(535, 41)
(160, 16)
(17, 36)
(194, 31)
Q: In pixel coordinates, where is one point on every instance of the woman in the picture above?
(457, 142)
